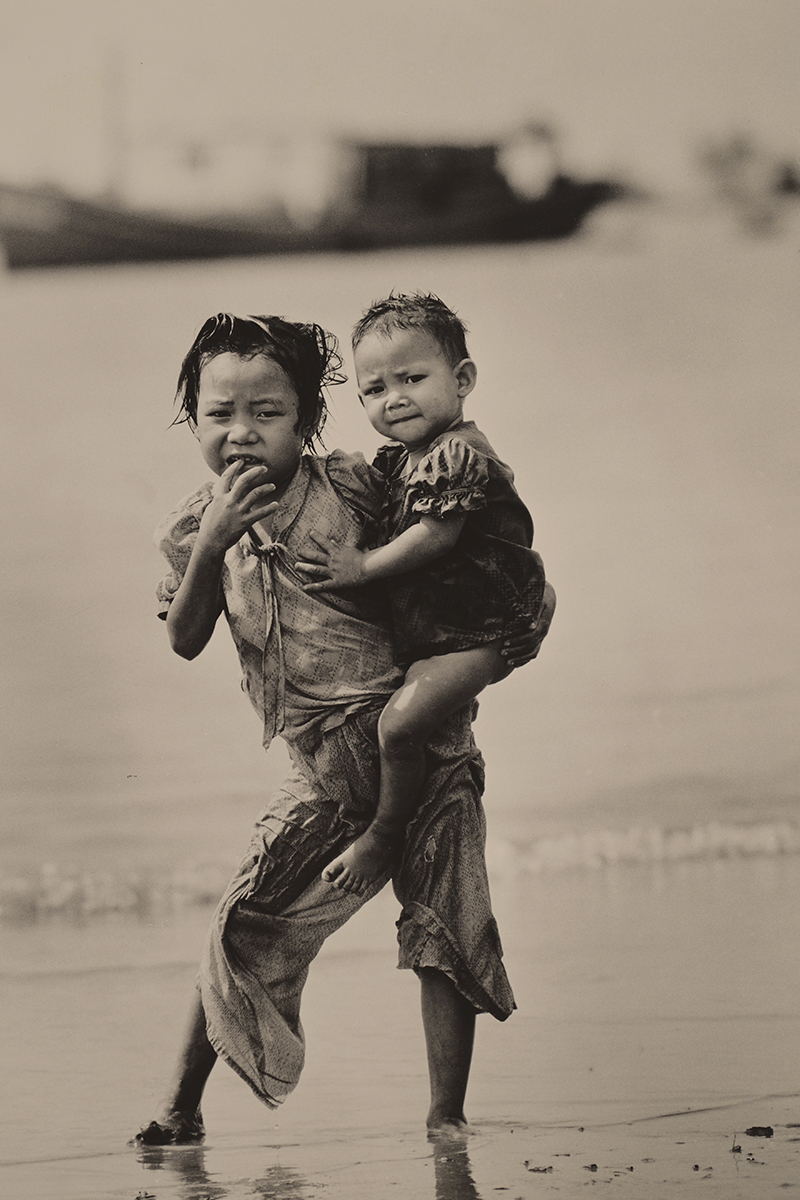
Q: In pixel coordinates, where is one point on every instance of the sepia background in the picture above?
(640, 376)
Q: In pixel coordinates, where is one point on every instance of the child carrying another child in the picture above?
(319, 671)
(458, 551)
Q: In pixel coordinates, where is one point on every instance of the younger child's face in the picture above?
(410, 392)
(247, 411)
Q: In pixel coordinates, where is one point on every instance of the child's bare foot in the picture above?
(175, 1129)
(363, 862)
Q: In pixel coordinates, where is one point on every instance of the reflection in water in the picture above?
(280, 1183)
(453, 1172)
(189, 1164)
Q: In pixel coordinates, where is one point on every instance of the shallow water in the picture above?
(641, 992)
(645, 395)
(642, 796)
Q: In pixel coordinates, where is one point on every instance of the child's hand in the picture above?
(336, 566)
(239, 499)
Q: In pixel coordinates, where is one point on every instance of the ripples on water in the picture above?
(646, 399)
(86, 894)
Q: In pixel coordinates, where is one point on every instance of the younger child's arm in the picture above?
(345, 566)
(239, 500)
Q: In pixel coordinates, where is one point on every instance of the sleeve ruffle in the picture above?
(175, 537)
(451, 479)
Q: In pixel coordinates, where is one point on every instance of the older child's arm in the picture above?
(523, 646)
(239, 499)
(198, 602)
(345, 566)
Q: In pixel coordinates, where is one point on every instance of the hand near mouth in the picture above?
(240, 498)
(245, 461)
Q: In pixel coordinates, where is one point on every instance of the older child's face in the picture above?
(247, 411)
(410, 392)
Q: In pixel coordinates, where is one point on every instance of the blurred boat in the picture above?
(43, 227)
(393, 195)
(445, 195)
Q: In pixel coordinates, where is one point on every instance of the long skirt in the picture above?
(278, 911)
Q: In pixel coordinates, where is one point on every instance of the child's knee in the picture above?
(397, 735)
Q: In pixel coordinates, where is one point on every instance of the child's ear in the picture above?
(466, 374)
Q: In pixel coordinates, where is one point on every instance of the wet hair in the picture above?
(307, 353)
(419, 310)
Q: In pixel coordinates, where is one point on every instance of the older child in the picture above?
(318, 671)
(458, 554)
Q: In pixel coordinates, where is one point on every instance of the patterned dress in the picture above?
(491, 582)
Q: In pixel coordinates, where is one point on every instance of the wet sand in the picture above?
(657, 1023)
(651, 424)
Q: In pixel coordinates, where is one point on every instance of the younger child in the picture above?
(458, 551)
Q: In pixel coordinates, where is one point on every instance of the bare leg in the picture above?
(433, 689)
(449, 1023)
(180, 1119)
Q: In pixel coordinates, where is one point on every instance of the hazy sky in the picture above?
(629, 83)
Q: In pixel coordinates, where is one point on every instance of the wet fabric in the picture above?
(308, 660)
(491, 583)
(319, 668)
(278, 911)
